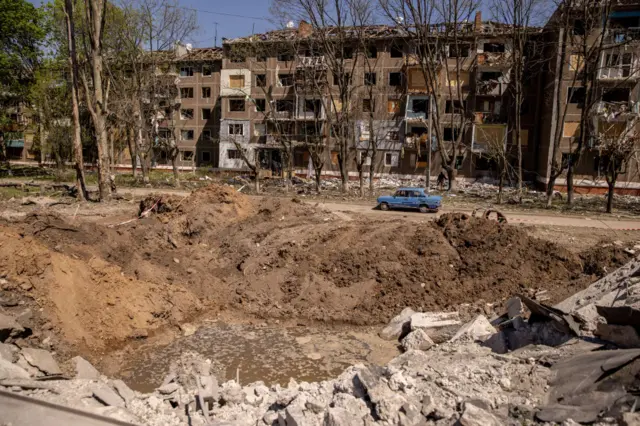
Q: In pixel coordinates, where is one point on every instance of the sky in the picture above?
(248, 16)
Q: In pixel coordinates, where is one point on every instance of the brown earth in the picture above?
(271, 258)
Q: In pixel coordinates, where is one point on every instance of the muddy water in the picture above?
(270, 354)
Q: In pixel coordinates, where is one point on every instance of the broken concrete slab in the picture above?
(12, 371)
(623, 336)
(208, 389)
(42, 360)
(398, 326)
(124, 391)
(417, 340)
(9, 352)
(84, 369)
(107, 396)
(478, 329)
(9, 327)
(476, 416)
(630, 419)
(168, 388)
(430, 320)
(25, 318)
(514, 307)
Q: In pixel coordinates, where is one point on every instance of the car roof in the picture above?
(410, 189)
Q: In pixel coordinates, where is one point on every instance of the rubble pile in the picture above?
(532, 364)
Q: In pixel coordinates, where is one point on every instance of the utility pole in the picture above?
(429, 144)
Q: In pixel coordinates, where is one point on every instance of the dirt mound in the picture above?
(603, 258)
(89, 301)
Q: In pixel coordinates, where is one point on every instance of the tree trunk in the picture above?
(501, 185)
(77, 134)
(372, 169)
(344, 175)
(318, 177)
(144, 165)
(570, 184)
(451, 175)
(133, 152)
(612, 186)
(361, 180)
(257, 181)
(174, 166)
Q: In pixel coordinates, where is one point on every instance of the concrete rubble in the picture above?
(528, 365)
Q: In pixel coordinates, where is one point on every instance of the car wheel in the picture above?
(384, 206)
(424, 209)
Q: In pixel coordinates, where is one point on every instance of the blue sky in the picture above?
(209, 12)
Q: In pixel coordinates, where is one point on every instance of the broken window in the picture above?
(236, 81)
(346, 79)
(420, 106)
(371, 51)
(395, 79)
(236, 105)
(616, 95)
(459, 50)
(347, 52)
(459, 161)
(186, 92)
(186, 72)
(285, 79)
(261, 105)
(206, 71)
(370, 78)
(396, 52)
(483, 163)
(206, 135)
(233, 154)
(206, 92)
(454, 107)
(261, 80)
(236, 129)
(490, 75)
(285, 57)
(578, 27)
(311, 129)
(205, 156)
(367, 105)
(450, 134)
(389, 159)
(284, 105)
(493, 47)
(187, 155)
(186, 114)
(186, 135)
(576, 95)
(394, 135)
(206, 113)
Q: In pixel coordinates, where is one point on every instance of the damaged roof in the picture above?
(370, 31)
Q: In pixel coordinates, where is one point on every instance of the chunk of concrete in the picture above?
(9, 327)
(476, 416)
(168, 388)
(8, 352)
(431, 320)
(84, 369)
(623, 336)
(25, 318)
(630, 419)
(42, 360)
(478, 329)
(497, 343)
(124, 391)
(107, 396)
(208, 389)
(398, 326)
(514, 307)
(336, 416)
(116, 413)
(12, 371)
(417, 340)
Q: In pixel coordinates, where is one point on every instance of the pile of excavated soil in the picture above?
(275, 258)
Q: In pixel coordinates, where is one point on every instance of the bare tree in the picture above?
(442, 34)
(73, 68)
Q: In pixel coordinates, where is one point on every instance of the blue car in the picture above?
(410, 198)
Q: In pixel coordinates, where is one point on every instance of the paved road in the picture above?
(531, 219)
(367, 209)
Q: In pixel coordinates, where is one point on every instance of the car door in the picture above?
(399, 199)
(412, 200)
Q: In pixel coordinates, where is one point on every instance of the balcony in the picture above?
(615, 111)
(487, 118)
(623, 35)
(311, 62)
(498, 60)
(417, 107)
(491, 88)
(619, 64)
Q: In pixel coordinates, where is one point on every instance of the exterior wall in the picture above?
(228, 141)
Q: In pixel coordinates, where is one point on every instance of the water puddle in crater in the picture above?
(267, 353)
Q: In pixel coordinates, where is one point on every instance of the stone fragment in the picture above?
(188, 329)
(124, 391)
(116, 413)
(12, 371)
(84, 369)
(342, 417)
(139, 333)
(398, 326)
(630, 419)
(476, 416)
(107, 396)
(9, 327)
(417, 340)
(8, 352)
(428, 320)
(477, 329)
(624, 336)
(168, 388)
(42, 360)
(208, 389)
(514, 307)
(497, 343)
